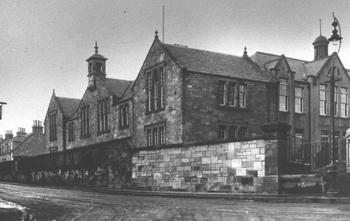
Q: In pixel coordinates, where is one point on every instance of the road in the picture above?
(61, 204)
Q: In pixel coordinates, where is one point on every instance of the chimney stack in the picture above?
(37, 127)
(21, 132)
(8, 134)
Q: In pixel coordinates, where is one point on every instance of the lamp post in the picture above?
(332, 168)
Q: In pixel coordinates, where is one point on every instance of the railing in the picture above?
(306, 157)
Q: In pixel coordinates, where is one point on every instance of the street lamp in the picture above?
(334, 76)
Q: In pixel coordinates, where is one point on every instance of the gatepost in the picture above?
(275, 155)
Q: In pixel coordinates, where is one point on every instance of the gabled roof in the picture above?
(117, 87)
(68, 105)
(313, 68)
(301, 68)
(202, 61)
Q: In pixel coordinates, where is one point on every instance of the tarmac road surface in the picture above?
(62, 204)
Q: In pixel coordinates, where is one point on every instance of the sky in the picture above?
(44, 43)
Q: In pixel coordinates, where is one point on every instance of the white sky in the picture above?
(44, 43)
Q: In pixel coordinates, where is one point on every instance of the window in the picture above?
(324, 138)
(231, 99)
(99, 67)
(344, 102)
(323, 99)
(336, 96)
(124, 115)
(222, 93)
(242, 132)
(299, 100)
(227, 94)
(242, 95)
(84, 122)
(232, 132)
(70, 132)
(102, 115)
(53, 126)
(222, 132)
(283, 100)
(53, 149)
(155, 134)
(155, 87)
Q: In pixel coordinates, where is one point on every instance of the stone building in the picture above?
(103, 114)
(198, 96)
(10, 143)
(191, 112)
(33, 144)
(184, 95)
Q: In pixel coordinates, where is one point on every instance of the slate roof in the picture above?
(68, 105)
(301, 68)
(202, 61)
(117, 87)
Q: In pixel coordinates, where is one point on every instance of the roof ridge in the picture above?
(118, 79)
(68, 98)
(215, 52)
(261, 52)
(325, 58)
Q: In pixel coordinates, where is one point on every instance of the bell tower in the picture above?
(96, 68)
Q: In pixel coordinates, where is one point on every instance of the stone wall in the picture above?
(231, 167)
(101, 165)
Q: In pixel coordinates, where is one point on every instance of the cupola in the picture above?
(96, 67)
(320, 45)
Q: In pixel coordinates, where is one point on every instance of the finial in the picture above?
(53, 91)
(156, 34)
(320, 20)
(96, 48)
(245, 54)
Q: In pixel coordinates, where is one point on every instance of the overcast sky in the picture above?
(44, 43)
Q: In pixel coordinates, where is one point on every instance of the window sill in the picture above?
(155, 111)
(300, 113)
(233, 108)
(336, 117)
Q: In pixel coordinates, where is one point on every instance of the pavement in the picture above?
(47, 203)
(261, 197)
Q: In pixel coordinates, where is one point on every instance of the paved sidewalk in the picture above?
(263, 197)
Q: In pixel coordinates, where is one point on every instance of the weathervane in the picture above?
(335, 36)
